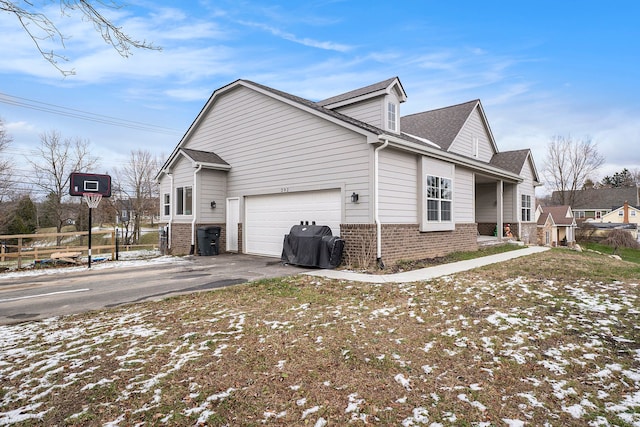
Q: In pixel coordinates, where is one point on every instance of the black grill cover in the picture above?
(312, 246)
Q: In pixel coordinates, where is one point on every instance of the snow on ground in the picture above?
(50, 356)
(99, 262)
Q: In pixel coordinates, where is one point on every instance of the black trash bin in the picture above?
(208, 240)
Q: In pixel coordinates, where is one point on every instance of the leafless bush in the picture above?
(585, 233)
(362, 252)
(620, 239)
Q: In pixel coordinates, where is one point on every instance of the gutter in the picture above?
(171, 205)
(452, 158)
(194, 209)
(376, 203)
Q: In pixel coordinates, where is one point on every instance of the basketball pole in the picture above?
(89, 248)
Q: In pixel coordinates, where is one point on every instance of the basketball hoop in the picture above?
(92, 199)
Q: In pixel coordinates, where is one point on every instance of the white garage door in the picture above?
(268, 218)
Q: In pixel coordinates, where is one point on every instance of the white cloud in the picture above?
(305, 41)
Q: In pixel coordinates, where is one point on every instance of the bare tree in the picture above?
(5, 164)
(568, 165)
(137, 184)
(40, 27)
(52, 166)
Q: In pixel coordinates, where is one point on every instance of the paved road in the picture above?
(39, 297)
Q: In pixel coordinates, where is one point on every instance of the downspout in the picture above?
(376, 203)
(194, 209)
(171, 205)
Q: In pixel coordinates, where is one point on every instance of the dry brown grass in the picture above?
(547, 338)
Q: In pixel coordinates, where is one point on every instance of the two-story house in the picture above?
(257, 161)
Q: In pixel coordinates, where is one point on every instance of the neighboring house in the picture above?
(556, 225)
(594, 203)
(257, 161)
(625, 214)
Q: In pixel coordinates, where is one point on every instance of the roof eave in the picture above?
(451, 157)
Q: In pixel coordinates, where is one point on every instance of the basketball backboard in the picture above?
(81, 184)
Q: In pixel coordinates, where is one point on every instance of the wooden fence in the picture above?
(37, 250)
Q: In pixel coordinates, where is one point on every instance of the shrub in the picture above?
(620, 238)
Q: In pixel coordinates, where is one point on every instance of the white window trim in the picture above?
(181, 210)
(528, 208)
(166, 204)
(392, 110)
(431, 167)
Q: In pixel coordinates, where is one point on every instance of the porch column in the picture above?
(499, 210)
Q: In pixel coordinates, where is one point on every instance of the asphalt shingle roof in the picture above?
(357, 92)
(557, 213)
(204, 156)
(602, 198)
(513, 161)
(440, 126)
(318, 107)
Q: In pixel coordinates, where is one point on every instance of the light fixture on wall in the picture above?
(213, 204)
(354, 197)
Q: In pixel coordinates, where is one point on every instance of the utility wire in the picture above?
(83, 115)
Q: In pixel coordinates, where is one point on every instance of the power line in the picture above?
(83, 115)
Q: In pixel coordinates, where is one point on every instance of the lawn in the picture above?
(548, 339)
(627, 254)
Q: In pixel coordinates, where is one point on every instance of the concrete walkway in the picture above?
(429, 272)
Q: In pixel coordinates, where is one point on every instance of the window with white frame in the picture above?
(620, 213)
(392, 116)
(439, 199)
(526, 208)
(166, 200)
(184, 200)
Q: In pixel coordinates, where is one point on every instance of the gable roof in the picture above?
(559, 215)
(317, 107)
(453, 117)
(514, 161)
(206, 157)
(602, 198)
(510, 160)
(366, 92)
(442, 125)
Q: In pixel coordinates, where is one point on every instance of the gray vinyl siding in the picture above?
(182, 177)
(510, 203)
(486, 202)
(463, 195)
(212, 186)
(165, 188)
(474, 128)
(371, 111)
(398, 178)
(248, 130)
(526, 187)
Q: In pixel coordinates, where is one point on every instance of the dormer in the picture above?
(377, 104)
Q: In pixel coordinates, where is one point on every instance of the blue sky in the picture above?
(540, 68)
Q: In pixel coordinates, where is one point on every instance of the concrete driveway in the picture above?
(75, 291)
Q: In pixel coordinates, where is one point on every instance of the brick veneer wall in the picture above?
(403, 242)
(486, 228)
(181, 239)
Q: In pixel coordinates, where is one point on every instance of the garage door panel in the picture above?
(269, 217)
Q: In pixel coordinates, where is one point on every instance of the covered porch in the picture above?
(496, 211)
